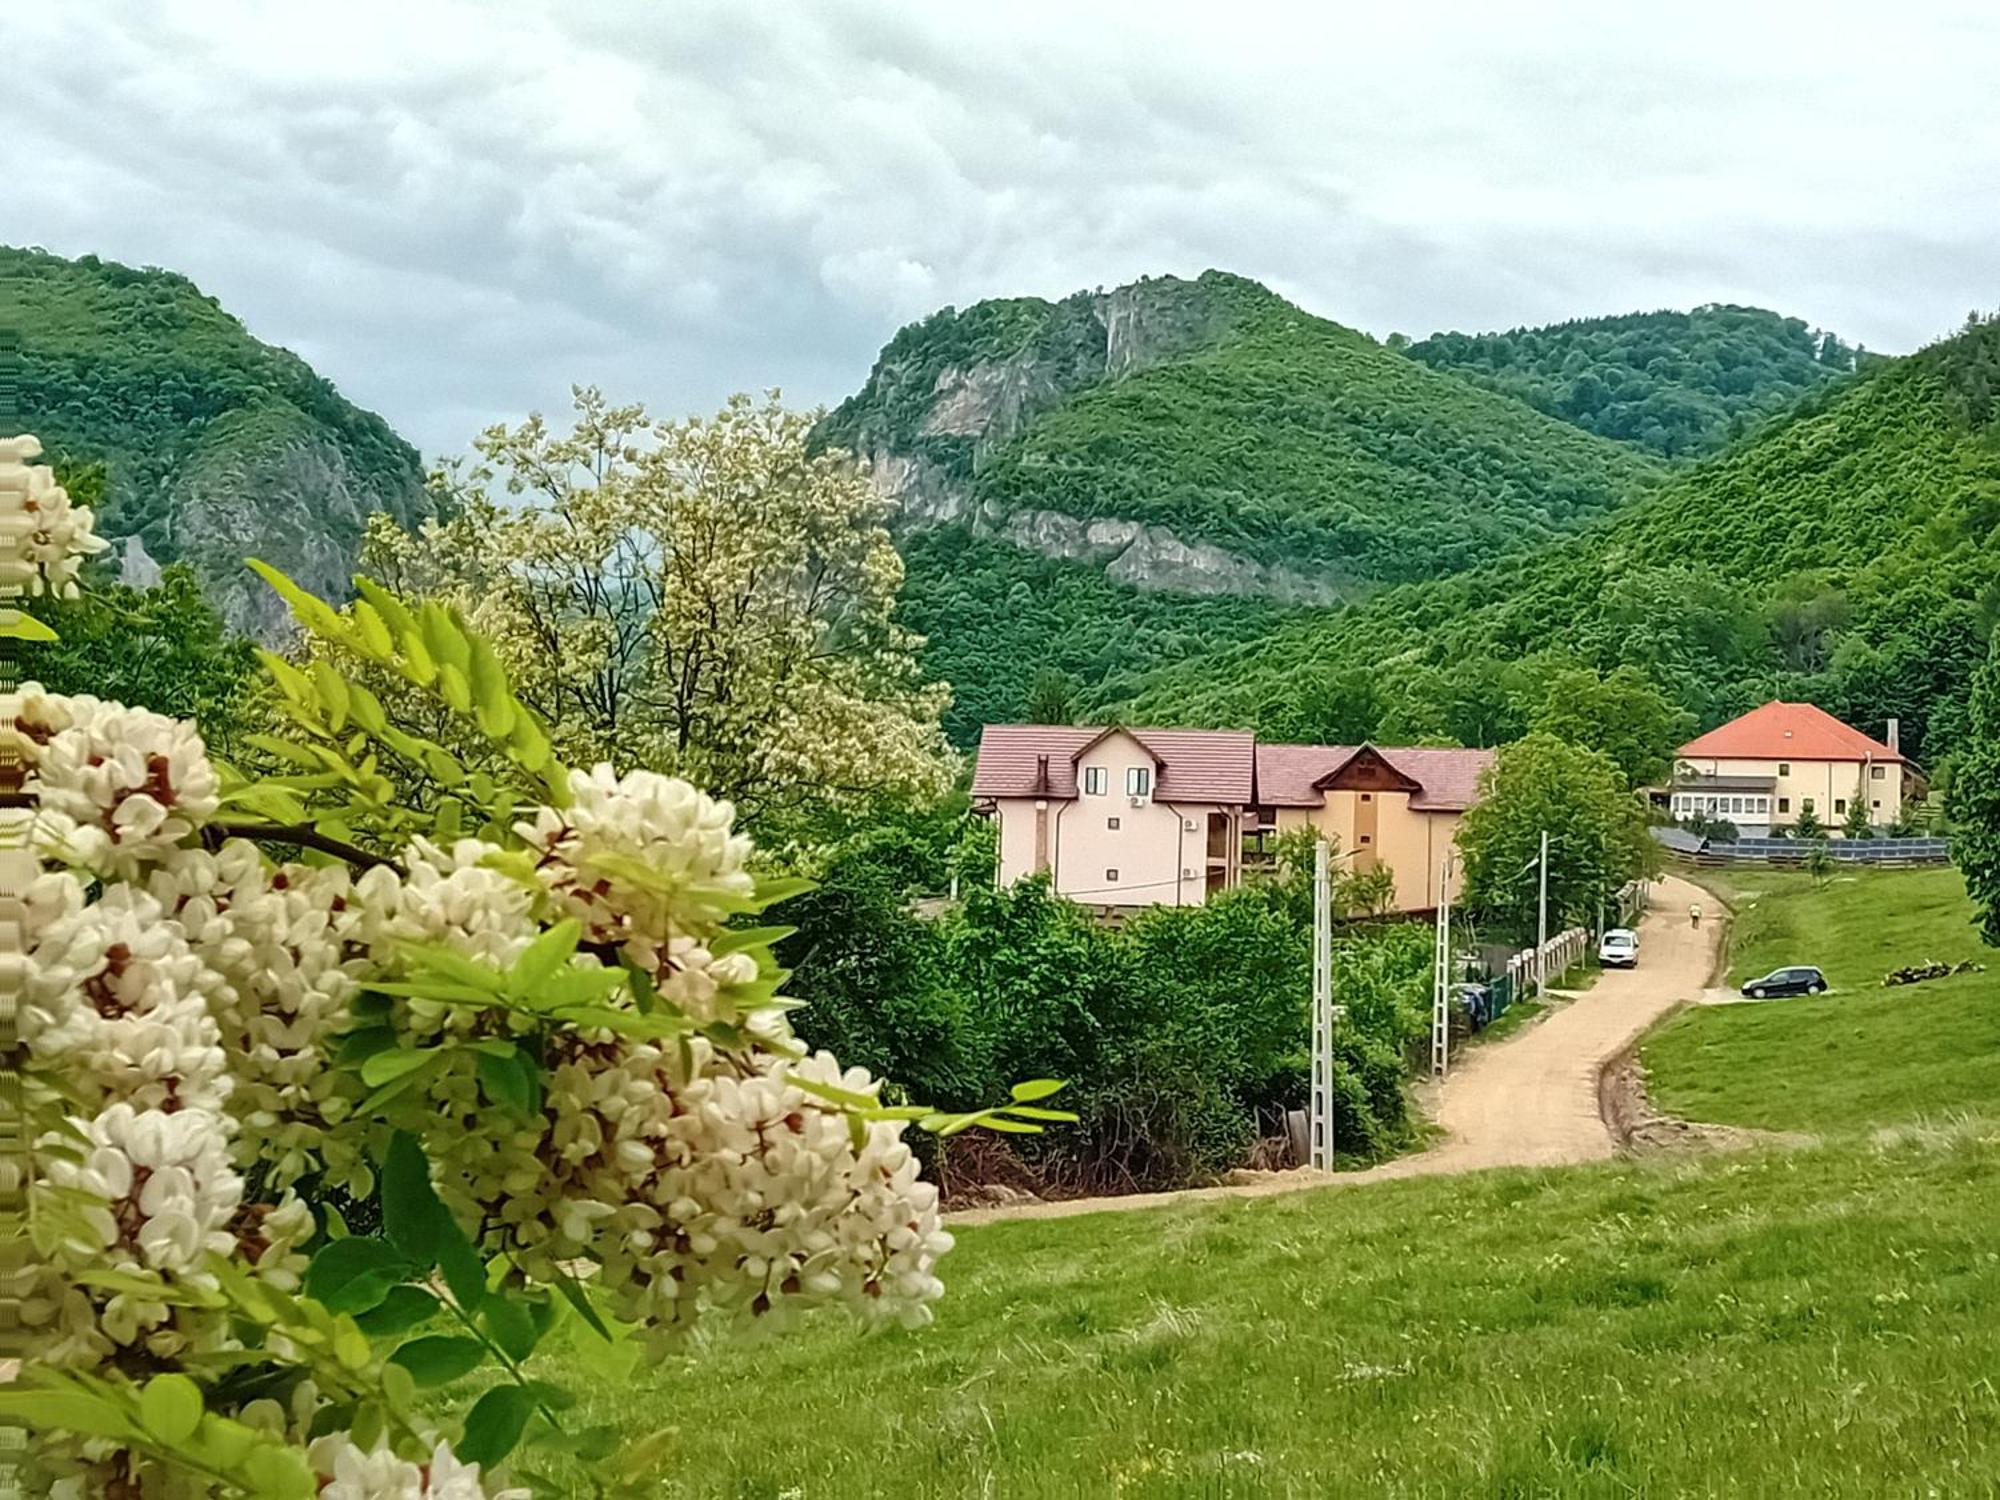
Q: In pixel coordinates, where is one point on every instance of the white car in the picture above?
(1619, 949)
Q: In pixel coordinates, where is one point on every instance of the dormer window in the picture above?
(1096, 781)
(1139, 781)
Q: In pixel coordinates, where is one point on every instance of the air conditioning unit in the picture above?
(1142, 800)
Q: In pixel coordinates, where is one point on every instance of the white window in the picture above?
(1876, 773)
(1784, 768)
(1110, 822)
(1112, 876)
(1096, 781)
(1138, 781)
(1736, 804)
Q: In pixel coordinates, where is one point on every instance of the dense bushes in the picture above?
(1678, 383)
(1183, 1034)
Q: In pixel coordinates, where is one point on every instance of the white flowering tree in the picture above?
(512, 1013)
(708, 598)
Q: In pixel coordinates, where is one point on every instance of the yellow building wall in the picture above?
(1825, 781)
(1411, 842)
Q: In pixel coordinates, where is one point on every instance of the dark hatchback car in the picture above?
(1802, 980)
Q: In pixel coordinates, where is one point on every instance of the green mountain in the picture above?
(212, 445)
(1679, 384)
(1846, 556)
(1196, 440)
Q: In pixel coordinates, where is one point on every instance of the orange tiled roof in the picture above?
(1787, 731)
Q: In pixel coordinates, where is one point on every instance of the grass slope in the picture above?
(1862, 1057)
(1785, 1322)
(1678, 384)
(1844, 557)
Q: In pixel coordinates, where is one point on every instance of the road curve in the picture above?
(1529, 1101)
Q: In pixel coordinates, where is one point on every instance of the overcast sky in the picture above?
(455, 210)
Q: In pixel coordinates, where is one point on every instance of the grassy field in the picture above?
(1862, 1056)
(1815, 1322)
(1806, 1322)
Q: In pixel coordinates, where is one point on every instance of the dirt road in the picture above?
(1528, 1101)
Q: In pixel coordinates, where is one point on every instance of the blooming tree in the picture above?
(709, 598)
(515, 1015)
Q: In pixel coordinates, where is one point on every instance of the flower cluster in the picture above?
(193, 1011)
(378, 1474)
(43, 538)
(698, 1177)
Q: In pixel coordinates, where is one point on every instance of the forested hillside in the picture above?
(214, 446)
(1846, 557)
(1201, 438)
(1679, 384)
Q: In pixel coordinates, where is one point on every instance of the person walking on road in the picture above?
(1694, 915)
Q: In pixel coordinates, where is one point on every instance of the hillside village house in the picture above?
(1124, 818)
(1763, 770)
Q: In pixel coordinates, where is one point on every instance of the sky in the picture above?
(456, 210)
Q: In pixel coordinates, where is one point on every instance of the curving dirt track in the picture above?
(1530, 1101)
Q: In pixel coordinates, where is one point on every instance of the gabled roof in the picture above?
(1447, 779)
(1192, 765)
(1787, 731)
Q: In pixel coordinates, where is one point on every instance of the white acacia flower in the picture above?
(351, 1474)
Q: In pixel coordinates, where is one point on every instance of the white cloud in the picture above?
(455, 208)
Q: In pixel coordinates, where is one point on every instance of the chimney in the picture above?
(1895, 738)
(1042, 774)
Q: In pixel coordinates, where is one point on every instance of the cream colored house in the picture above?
(1123, 818)
(1761, 771)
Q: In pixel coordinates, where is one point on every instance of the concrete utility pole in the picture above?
(1321, 1140)
(1542, 925)
(1441, 976)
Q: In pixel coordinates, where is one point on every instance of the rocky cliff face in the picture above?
(951, 391)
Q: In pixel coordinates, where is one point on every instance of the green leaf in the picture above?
(440, 1358)
(542, 958)
(494, 1425)
(386, 1067)
(411, 1208)
(405, 1307)
(332, 690)
(359, 1045)
(512, 1082)
(308, 608)
(453, 965)
(453, 687)
(355, 1274)
(279, 1473)
(372, 631)
(392, 610)
(492, 698)
(170, 1406)
(65, 1410)
(737, 939)
(20, 626)
(783, 888)
(1038, 1088)
(574, 1293)
(510, 1325)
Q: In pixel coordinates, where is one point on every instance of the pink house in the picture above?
(1123, 818)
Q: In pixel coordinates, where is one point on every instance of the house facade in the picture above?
(1123, 818)
(1764, 770)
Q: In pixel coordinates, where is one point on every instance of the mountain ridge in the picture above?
(214, 446)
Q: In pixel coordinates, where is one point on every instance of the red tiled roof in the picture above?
(1787, 731)
(1449, 777)
(1286, 773)
(1195, 765)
